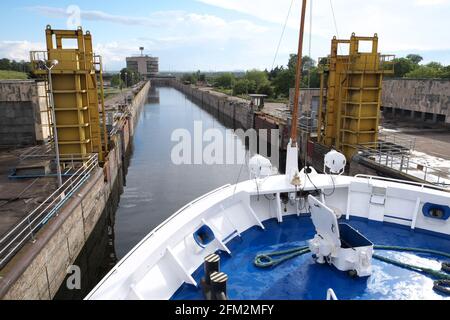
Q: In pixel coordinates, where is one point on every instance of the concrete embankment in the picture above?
(232, 109)
(38, 269)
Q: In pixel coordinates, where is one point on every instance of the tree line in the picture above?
(19, 66)
(274, 83)
(277, 82)
(125, 78)
(411, 67)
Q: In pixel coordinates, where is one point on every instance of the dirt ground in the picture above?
(18, 197)
(429, 140)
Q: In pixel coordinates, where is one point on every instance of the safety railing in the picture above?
(370, 63)
(308, 123)
(361, 63)
(26, 229)
(387, 63)
(36, 151)
(400, 159)
(169, 219)
(98, 63)
(417, 184)
(396, 140)
(36, 58)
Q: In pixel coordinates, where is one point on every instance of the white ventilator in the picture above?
(292, 174)
(259, 167)
(339, 244)
(335, 162)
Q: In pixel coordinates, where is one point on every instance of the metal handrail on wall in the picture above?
(27, 228)
(413, 183)
(400, 160)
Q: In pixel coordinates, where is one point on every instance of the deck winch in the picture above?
(339, 244)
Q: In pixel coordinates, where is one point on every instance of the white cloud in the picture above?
(400, 24)
(249, 40)
(431, 2)
(170, 30)
(19, 50)
(93, 15)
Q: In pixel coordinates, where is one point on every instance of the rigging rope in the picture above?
(335, 23)
(240, 170)
(282, 34)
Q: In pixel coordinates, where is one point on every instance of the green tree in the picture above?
(445, 72)
(259, 77)
(415, 58)
(312, 78)
(283, 82)
(435, 65)
(20, 66)
(285, 78)
(190, 78)
(116, 81)
(241, 86)
(5, 64)
(266, 89)
(225, 80)
(129, 77)
(431, 70)
(274, 72)
(307, 63)
(402, 66)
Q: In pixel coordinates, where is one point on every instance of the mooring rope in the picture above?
(442, 284)
(265, 260)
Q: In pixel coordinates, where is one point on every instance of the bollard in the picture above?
(219, 286)
(211, 265)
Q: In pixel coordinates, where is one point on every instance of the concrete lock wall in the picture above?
(421, 97)
(22, 117)
(233, 109)
(308, 100)
(38, 269)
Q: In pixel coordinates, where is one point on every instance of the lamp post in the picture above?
(53, 63)
(126, 86)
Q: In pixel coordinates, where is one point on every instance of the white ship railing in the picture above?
(27, 228)
(171, 218)
(419, 184)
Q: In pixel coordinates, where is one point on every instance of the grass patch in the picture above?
(223, 90)
(278, 100)
(12, 75)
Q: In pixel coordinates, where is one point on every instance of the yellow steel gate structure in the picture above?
(350, 114)
(77, 91)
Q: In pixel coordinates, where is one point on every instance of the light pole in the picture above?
(53, 63)
(126, 86)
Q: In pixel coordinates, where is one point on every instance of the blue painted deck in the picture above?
(302, 278)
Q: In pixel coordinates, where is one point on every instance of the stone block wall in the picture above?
(22, 121)
(38, 269)
(422, 98)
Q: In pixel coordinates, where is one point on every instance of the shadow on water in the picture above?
(151, 187)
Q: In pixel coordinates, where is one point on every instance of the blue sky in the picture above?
(226, 34)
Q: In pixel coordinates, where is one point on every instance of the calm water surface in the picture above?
(155, 187)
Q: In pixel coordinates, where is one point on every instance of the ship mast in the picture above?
(298, 78)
